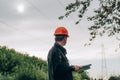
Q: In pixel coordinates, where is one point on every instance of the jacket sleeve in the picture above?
(60, 66)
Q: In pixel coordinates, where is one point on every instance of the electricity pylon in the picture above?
(103, 64)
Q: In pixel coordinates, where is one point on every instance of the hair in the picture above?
(60, 37)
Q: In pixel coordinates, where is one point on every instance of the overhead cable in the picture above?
(37, 9)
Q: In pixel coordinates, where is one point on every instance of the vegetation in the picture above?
(81, 76)
(17, 66)
(106, 18)
(114, 78)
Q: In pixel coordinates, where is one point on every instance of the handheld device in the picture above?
(84, 67)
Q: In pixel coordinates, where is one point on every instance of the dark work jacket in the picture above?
(58, 66)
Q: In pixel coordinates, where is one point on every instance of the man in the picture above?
(58, 65)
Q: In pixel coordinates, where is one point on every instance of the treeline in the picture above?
(17, 66)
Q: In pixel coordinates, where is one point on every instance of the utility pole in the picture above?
(103, 64)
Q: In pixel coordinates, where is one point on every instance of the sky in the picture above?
(28, 27)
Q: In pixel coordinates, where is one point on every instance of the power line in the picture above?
(37, 9)
(60, 3)
(12, 26)
(2, 22)
(63, 7)
(23, 32)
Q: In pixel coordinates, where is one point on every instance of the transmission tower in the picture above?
(103, 64)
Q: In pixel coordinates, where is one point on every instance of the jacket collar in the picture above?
(60, 47)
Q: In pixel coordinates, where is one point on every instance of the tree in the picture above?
(81, 76)
(19, 66)
(8, 61)
(114, 78)
(106, 18)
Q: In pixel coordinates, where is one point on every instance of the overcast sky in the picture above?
(28, 27)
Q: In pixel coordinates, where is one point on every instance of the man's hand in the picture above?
(76, 68)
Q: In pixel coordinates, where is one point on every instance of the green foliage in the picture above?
(81, 76)
(32, 75)
(106, 18)
(18, 66)
(114, 78)
(8, 61)
(76, 76)
(8, 77)
(80, 6)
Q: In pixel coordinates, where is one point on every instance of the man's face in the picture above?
(65, 41)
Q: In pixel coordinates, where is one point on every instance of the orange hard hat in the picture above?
(61, 31)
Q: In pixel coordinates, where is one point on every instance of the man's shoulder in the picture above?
(54, 49)
(53, 52)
